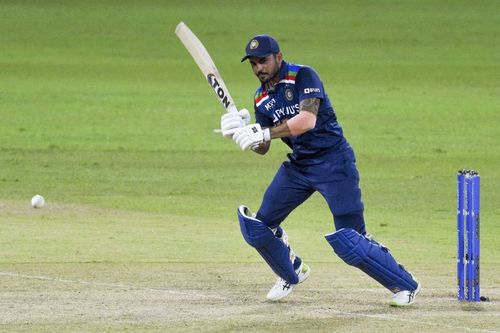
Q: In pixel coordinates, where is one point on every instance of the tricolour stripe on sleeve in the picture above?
(260, 97)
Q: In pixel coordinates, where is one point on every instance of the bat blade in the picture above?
(206, 65)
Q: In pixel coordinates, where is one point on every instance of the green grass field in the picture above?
(104, 113)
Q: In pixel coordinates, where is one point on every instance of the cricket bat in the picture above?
(206, 65)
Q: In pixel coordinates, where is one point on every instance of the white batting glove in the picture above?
(251, 135)
(230, 122)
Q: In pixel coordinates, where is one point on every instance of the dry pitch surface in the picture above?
(229, 297)
(173, 297)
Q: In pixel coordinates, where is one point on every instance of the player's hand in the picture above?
(251, 136)
(230, 122)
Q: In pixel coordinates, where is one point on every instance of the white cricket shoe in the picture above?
(405, 297)
(281, 288)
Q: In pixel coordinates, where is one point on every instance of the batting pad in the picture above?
(271, 248)
(372, 258)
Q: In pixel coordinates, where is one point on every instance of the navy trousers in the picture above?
(335, 177)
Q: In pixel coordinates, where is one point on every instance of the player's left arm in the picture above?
(310, 95)
(259, 139)
(301, 123)
(311, 92)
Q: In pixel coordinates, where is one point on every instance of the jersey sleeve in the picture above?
(309, 84)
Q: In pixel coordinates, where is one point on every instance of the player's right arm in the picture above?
(262, 147)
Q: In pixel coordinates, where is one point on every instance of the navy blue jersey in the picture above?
(272, 107)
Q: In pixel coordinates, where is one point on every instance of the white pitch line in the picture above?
(112, 285)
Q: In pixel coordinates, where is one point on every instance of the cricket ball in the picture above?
(37, 201)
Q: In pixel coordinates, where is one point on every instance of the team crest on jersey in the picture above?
(254, 44)
(289, 94)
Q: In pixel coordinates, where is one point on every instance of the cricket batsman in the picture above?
(291, 104)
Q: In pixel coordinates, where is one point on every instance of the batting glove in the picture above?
(230, 122)
(251, 135)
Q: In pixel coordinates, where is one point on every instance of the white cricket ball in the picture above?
(37, 201)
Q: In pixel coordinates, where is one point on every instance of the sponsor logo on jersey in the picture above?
(270, 105)
(311, 90)
(284, 112)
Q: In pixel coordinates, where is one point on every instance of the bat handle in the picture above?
(232, 108)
